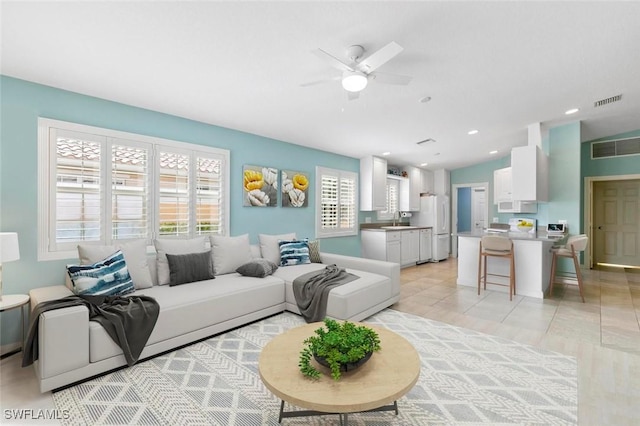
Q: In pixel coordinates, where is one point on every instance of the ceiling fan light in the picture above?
(354, 81)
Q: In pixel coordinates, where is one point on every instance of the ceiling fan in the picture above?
(358, 72)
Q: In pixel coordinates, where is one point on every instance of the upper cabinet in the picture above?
(530, 173)
(441, 182)
(502, 190)
(373, 183)
(410, 189)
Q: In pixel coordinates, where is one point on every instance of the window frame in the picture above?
(340, 231)
(47, 188)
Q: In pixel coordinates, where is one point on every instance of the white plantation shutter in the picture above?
(392, 200)
(99, 185)
(130, 191)
(336, 201)
(173, 188)
(210, 194)
(77, 188)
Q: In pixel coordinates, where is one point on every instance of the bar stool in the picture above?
(501, 247)
(575, 244)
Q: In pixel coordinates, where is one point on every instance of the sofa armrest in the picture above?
(63, 334)
(388, 269)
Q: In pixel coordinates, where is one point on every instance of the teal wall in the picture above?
(23, 102)
(609, 166)
(564, 176)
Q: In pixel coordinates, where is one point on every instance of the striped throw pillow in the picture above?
(294, 252)
(108, 277)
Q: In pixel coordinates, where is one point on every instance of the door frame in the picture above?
(454, 210)
(589, 207)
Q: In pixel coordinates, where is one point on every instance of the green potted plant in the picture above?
(341, 346)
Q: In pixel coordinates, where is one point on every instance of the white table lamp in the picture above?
(9, 251)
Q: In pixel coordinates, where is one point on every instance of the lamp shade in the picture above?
(354, 81)
(9, 248)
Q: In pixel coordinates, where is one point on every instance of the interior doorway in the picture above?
(612, 220)
(469, 210)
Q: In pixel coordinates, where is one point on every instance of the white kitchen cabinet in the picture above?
(410, 247)
(382, 245)
(427, 182)
(502, 185)
(402, 247)
(410, 189)
(529, 168)
(441, 182)
(373, 183)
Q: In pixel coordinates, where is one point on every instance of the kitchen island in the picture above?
(532, 253)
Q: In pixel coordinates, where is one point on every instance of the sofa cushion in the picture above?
(107, 277)
(164, 246)
(269, 245)
(188, 268)
(229, 253)
(294, 252)
(135, 254)
(344, 301)
(257, 268)
(187, 308)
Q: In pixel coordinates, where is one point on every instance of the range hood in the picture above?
(530, 169)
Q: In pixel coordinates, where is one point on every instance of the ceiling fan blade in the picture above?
(332, 60)
(352, 96)
(323, 81)
(380, 57)
(397, 79)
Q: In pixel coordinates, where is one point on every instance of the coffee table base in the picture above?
(344, 417)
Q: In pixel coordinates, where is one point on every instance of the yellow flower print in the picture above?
(252, 180)
(300, 182)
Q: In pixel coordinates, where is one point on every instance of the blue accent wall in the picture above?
(23, 102)
(464, 209)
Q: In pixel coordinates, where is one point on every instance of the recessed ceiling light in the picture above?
(571, 111)
(493, 152)
(386, 153)
(424, 99)
(472, 132)
(424, 164)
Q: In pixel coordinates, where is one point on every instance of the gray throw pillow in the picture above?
(258, 268)
(188, 268)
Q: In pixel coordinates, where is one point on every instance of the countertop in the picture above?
(388, 228)
(540, 236)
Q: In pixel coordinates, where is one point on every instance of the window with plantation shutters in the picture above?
(99, 186)
(336, 202)
(392, 200)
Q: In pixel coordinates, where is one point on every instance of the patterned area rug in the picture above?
(466, 378)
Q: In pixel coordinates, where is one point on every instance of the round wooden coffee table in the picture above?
(387, 376)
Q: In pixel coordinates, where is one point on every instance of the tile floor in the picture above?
(603, 334)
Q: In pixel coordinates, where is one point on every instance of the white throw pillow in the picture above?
(135, 254)
(164, 246)
(229, 253)
(269, 245)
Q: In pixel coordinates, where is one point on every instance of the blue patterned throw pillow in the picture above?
(108, 277)
(294, 252)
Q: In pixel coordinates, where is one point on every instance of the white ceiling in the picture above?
(492, 66)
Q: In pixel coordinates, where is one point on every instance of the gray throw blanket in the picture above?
(311, 290)
(129, 321)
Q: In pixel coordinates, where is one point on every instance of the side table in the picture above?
(13, 301)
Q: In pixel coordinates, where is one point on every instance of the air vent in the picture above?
(607, 101)
(425, 141)
(615, 148)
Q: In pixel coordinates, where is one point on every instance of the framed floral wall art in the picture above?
(259, 186)
(295, 188)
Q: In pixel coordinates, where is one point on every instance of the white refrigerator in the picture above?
(434, 212)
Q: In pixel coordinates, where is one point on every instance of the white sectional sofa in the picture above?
(72, 348)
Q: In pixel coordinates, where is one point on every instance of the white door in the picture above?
(616, 236)
(478, 208)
